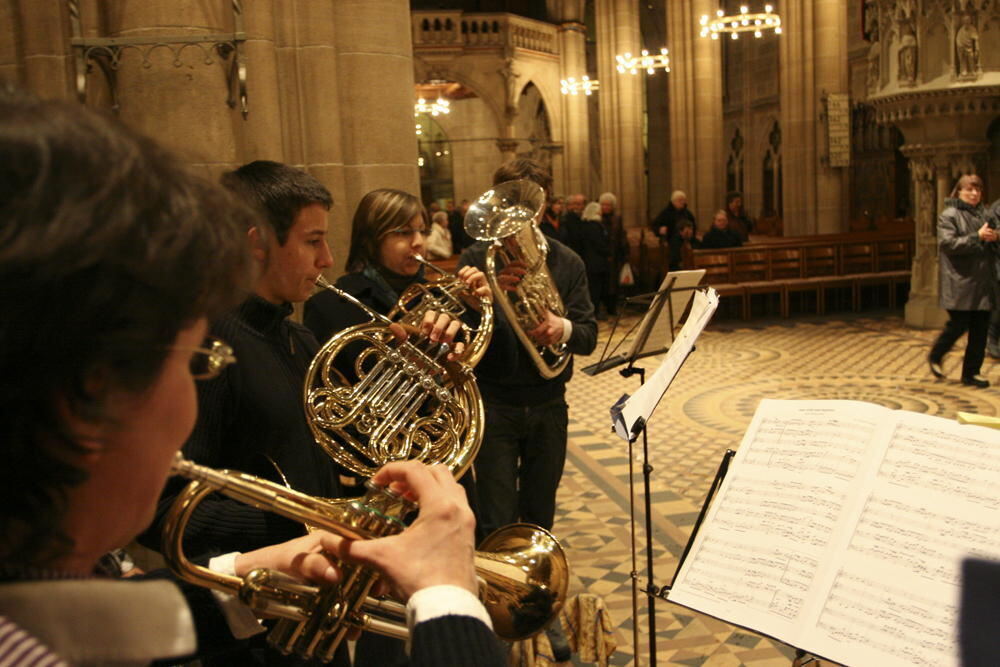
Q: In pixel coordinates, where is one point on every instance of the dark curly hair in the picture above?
(108, 248)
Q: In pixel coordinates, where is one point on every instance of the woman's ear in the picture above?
(87, 433)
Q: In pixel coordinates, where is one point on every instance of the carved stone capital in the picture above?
(507, 145)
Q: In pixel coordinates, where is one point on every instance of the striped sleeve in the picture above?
(19, 649)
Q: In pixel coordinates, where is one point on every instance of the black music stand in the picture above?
(674, 295)
(639, 350)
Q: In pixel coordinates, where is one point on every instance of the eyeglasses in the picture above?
(408, 232)
(208, 361)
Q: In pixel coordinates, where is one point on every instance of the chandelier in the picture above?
(435, 108)
(742, 22)
(650, 63)
(585, 85)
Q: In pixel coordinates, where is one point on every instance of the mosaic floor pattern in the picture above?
(704, 412)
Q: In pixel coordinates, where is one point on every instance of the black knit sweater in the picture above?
(248, 416)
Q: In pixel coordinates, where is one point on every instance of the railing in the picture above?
(453, 28)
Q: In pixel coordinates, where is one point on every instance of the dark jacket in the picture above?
(741, 224)
(517, 381)
(677, 251)
(669, 217)
(552, 226)
(967, 264)
(721, 238)
(250, 419)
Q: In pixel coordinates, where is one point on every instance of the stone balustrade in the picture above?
(457, 29)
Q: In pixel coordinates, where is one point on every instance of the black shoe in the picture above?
(936, 369)
(977, 381)
(557, 639)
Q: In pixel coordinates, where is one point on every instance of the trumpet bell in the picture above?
(525, 575)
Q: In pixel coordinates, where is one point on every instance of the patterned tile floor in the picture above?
(874, 358)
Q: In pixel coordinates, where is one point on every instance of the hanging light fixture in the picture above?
(742, 22)
(585, 85)
(650, 63)
(435, 108)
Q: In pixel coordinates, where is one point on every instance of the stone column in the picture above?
(44, 56)
(572, 37)
(813, 62)
(621, 108)
(181, 101)
(697, 147)
(922, 305)
(375, 96)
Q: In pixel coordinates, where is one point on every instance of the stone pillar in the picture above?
(621, 109)
(374, 66)
(43, 60)
(180, 101)
(576, 137)
(813, 62)
(830, 54)
(922, 305)
(697, 147)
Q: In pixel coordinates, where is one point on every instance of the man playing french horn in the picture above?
(251, 417)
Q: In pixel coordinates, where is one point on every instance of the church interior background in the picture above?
(858, 116)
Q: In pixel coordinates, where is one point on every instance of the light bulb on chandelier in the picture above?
(632, 64)
(745, 21)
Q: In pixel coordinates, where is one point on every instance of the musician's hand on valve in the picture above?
(511, 275)
(442, 328)
(438, 548)
(476, 281)
(550, 331)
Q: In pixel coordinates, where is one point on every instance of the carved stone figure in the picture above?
(874, 71)
(967, 49)
(906, 20)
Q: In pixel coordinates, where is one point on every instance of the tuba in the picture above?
(370, 400)
(507, 216)
(523, 578)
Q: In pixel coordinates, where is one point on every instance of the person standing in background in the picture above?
(967, 241)
(665, 224)
(739, 221)
(439, 240)
(618, 244)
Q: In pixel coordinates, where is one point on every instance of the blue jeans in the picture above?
(520, 463)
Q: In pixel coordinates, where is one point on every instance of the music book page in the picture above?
(840, 529)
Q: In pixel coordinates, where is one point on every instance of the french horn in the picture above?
(370, 400)
(523, 571)
(506, 216)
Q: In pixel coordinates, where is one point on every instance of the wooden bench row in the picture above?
(809, 266)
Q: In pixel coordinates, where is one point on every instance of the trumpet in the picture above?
(523, 576)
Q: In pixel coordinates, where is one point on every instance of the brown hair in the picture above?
(968, 180)
(518, 168)
(378, 212)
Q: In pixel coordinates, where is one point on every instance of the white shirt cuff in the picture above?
(445, 600)
(567, 330)
(242, 621)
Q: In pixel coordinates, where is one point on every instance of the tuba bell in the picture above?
(370, 400)
(523, 579)
(506, 216)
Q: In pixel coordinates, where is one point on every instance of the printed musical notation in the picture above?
(966, 466)
(866, 612)
(840, 529)
(819, 444)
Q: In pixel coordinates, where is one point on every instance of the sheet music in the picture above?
(785, 496)
(841, 528)
(643, 402)
(934, 500)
